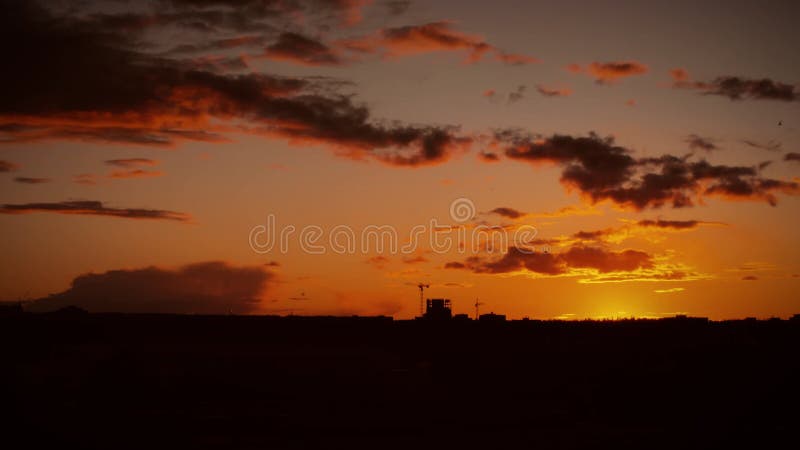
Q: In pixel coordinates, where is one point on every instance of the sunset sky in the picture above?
(654, 148)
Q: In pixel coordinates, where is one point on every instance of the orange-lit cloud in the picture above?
(125, 95)
(418, 39)
(570, 210)
(651, 230)
(592, 264)
(679, 74)
(6, 166)
(515, 214)
(609, 72)
(428, 38)
(515, 59)
(669, 291)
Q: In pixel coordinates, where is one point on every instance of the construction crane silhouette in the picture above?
(422, 288)
(477, 305)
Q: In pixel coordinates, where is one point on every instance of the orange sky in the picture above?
(652, 148)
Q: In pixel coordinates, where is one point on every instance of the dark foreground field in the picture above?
(119, 382)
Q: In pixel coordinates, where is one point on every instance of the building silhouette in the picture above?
(438, 309)
(492, 317)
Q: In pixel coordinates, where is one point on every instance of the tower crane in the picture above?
(422, 287)
(477, 305)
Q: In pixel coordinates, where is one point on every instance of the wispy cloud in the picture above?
(32, 180)
(94, 208)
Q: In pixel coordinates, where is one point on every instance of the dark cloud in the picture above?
(601, 170)
(594, 235)
(771, 146)
(604, 260)
(397, 7)
(135, 173)
(488, 157)
(750, 278)
(300, 49)
(700, 143)
(201, 288)
(576, 257)
(553, 92)
(510, 213)
(6, 166)
(591, 163)
(130, 163)
(673, 224)
(791, 157)
(217, 16)
(517, 95)
(214, 45)
(517, 259)
(738, 188)
(740, 88)
(30, 180)
(93, 208)
(109, 89)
